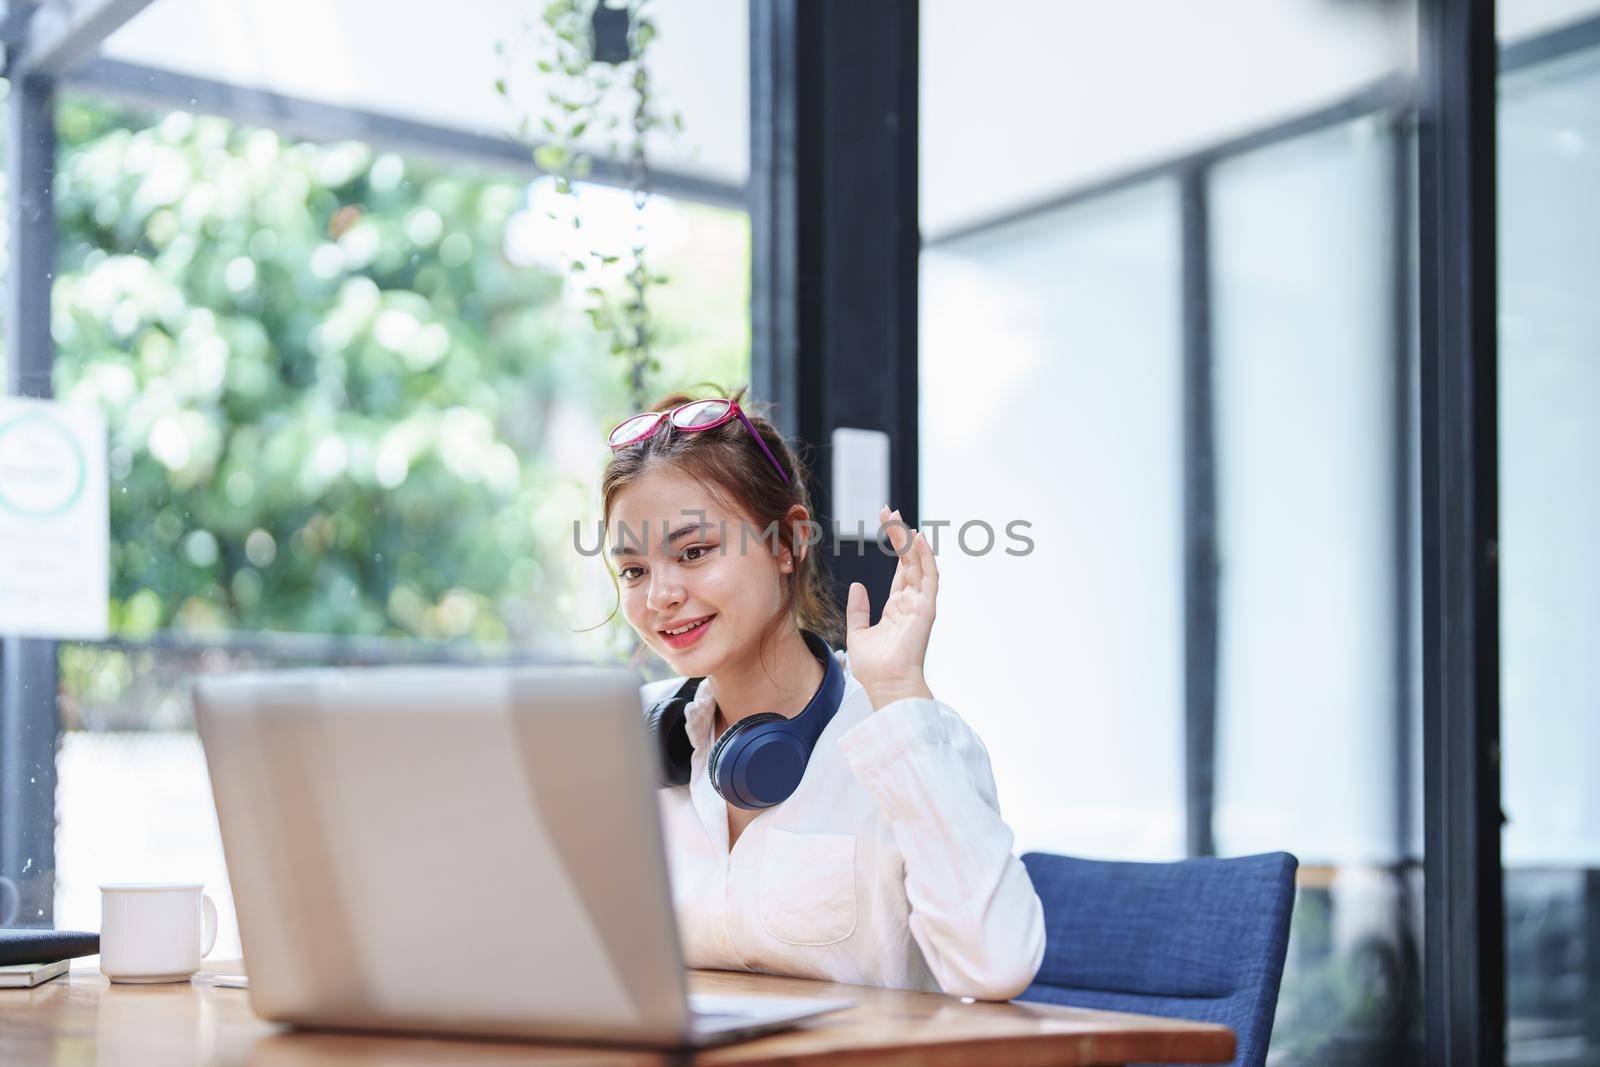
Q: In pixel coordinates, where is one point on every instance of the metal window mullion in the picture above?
(1199, 461)
(29, 718)
(59, 36)
(834, 240)
(315, 121)
(1465, 972)
(773, 191)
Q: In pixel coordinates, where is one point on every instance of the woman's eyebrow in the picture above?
(640, 546)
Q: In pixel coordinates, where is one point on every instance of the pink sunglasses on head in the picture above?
(690, 417)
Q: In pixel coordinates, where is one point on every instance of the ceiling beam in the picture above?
(315, 121)
(63, 33)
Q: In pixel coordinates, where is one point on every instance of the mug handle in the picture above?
(208, 931)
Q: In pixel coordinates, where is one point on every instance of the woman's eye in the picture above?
(631, 574)
(694, 552)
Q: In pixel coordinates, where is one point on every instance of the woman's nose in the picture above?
(665, 594)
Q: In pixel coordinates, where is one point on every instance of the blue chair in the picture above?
(1202, 939)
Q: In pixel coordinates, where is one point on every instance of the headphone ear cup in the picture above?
(669, 739)
(738, 729)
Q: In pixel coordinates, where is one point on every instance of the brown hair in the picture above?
(733, 470)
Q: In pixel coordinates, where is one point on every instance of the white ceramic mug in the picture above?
(154, 933)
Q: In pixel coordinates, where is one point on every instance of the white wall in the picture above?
(1025, 99)
(1518, 19)
(435, 62)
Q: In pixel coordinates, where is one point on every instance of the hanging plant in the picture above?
(590, 64)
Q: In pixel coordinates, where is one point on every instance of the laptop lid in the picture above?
(454, 849)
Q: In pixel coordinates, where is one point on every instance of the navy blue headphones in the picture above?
(759, 760)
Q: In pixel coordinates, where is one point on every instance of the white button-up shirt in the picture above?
(889, 865)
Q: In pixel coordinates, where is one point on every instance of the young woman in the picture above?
(883, 859)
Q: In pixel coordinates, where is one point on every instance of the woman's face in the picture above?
(681, 559)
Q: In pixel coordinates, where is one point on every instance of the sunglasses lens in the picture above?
(701, 413)
(633, 428)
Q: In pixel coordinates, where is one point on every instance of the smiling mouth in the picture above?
(690, 632)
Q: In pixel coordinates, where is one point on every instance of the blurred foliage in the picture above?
(335, 404)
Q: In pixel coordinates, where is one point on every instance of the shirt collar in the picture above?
(698, 714)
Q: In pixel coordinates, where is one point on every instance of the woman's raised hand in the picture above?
(887, 658)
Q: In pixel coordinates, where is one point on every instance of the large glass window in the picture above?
(1052, 395)
(1306, 375)
(354, 410)
(1549, 240)
(1083, 284)
(1314, 719)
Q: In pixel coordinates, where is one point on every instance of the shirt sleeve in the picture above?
(974, 911)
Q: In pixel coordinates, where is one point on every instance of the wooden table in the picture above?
(81, 1019)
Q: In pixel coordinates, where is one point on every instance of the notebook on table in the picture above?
(28, 975)
(45, 946)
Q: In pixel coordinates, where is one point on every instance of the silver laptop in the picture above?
(471, 850)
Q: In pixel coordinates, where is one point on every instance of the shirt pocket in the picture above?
(808, 887)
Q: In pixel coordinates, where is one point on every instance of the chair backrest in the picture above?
(1200, 939)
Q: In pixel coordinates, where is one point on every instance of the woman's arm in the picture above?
(974, 911)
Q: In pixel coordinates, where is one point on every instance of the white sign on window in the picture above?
(54, 520)
(860, 480)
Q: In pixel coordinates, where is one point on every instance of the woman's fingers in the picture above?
(916, 568)
(930, 567)
(857, 609)
(892, 531)
(909, 609)
(910, 558)
(899, 539)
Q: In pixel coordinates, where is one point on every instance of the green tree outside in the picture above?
(335, 405)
